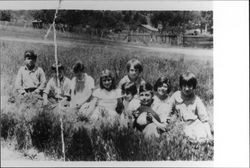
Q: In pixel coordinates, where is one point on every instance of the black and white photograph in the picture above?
(90, 84)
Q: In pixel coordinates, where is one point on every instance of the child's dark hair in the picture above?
(163, 80)
(107, 74)
(146, 87)
(129, 87)
(31, 54)
(188, 79)
(135, 63)
(78, 67)
(59, 65)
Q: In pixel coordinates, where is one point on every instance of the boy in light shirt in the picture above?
(56, 93)
(30, 78)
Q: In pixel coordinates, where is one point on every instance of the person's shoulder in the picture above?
(73, 79)
(118, 92)
(197, 99)
(97, 92)
(51, 81)
(142, 81)
(135, 103)
(124, 79)
(89, 77)
(67, 80)
(176, 96)
(22, 68)
(40, 69)
(156, 99)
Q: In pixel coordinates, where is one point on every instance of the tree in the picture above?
(176, 22)
(5, 15)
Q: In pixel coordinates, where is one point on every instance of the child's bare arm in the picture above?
(201, 111)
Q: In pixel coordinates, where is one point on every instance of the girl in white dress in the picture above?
(105, 100)
(161, 104)
(191, 109)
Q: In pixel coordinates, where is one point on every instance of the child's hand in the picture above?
(149, 118)
(135, 113)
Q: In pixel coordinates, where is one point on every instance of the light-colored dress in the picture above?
(162, 108)
(194, 115)
(106, 105)
(81, 90)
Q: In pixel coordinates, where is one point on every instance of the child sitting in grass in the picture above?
(105, 102)
(30, 78)
(130, 102)
(146, 119)
(134, 69)
(82, 86)
(54, 93)
(161, 104)
(191, 109)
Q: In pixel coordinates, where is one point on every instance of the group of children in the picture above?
(133, 102)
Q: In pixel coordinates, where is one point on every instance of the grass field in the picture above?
(96, 57)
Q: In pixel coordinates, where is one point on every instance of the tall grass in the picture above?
(111, 142)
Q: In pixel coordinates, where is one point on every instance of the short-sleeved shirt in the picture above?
(81, 89)
(189, 110)
(27, 79)
(126, 79)
(52, 87)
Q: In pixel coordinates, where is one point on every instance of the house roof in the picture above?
(149, 27)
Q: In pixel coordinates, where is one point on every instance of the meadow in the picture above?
(112, 142)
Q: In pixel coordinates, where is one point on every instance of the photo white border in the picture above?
(231, 76)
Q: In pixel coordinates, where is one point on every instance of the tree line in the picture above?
(165, 21)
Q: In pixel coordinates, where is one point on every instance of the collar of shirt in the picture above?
(31, 70)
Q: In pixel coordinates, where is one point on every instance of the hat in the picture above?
(30, 53)
(60, 66)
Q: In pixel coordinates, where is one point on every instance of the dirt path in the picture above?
(190, 53)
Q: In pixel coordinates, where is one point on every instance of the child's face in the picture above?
(133, 73)
(146, 98)
(187, 90)
(162, 90)
(107, 82)
(29, 61)
(128, 96)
